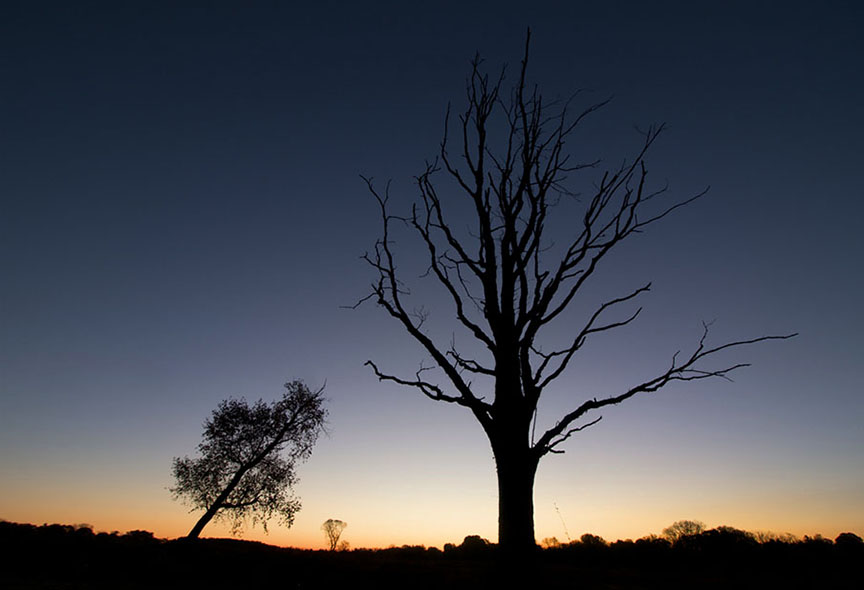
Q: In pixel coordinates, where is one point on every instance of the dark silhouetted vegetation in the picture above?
(333, 528)
(507, 157)
(245, 470)
(63, 556)
(682, 528)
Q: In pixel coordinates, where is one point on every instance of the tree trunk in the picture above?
(220, 500)
(202, 522)
(516, 470)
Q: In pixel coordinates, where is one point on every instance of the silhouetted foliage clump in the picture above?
(472, 547)
(723, 539)
(683, 528)
(590, 540)
(849, 540)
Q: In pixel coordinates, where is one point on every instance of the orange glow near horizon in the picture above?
(423, 494)
(413, 487)
(612, 517)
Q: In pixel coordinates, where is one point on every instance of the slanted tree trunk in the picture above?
(222, 498)
(202, 522)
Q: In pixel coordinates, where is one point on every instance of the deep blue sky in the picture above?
(182, 218)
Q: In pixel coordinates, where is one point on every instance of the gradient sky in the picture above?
(182, 220)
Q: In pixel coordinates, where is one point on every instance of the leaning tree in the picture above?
(508, 282)
(245, 468)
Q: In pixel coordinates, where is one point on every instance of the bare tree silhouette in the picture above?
(333, 530)
(246, 466)
(683, 528)
(507, 281)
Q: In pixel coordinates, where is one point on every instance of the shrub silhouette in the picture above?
(473, 546)
(590, 540)
(682, 528)
(849, 540)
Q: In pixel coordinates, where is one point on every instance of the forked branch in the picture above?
(678, 371)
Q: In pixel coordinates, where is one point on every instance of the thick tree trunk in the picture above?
(516, 465)
(515, 506)
(516, 469)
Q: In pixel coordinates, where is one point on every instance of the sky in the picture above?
(182, 220)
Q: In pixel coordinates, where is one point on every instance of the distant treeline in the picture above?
(72, 557)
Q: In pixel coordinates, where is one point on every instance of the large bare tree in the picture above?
(507, 281)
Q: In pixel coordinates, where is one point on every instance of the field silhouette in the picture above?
(64, 556)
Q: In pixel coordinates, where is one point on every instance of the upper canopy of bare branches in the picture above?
(507, 154)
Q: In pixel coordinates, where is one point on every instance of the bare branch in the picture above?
(388, 294)
(429, 390)
(589, 328)
(686, 371)
(560, 439)
(434, 392)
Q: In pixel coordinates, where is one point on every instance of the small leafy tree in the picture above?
(333, 530)
(245, 470)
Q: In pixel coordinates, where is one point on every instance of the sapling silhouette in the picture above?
(333, 530)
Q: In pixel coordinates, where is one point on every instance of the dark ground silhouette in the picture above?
(69, 557)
